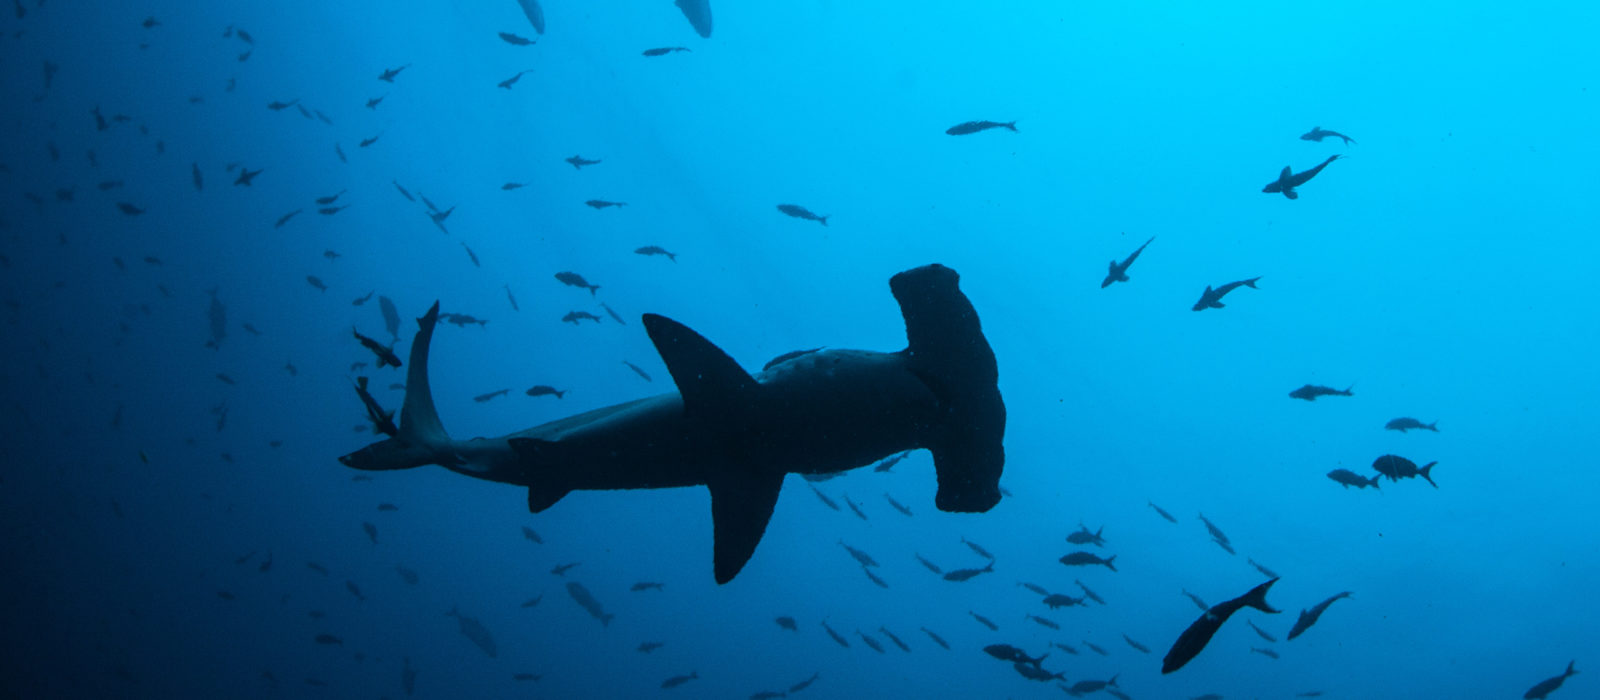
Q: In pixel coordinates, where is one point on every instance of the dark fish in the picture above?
(824, 498)
(1404, 424)
(285, 218)
(266, 564)
(508, 82)
(225, 379)
(647, 378)
(129, 209)
(854, 508)
(1347, 478)
(525, 676)
(800, 212)
(463, 320)
(1265, 652)
(314, 281)
(386, 356)
(322, 117)
(1310, 617)
(562, 569)
(602, 204)
(471, 254)
(1051, 624)
(330, 199)
(1288, 180)
(874, 578)
(870, 642)
(1140, 647)
(1197, 600)
(664, 50)
(330, 211)
(786, 623)
(403, 191)
(835, 635)
(1091, 595)
(512, 186)
(1216, 532)
(515, 40)
(1225, 545)
(1088, 558)
(1059, 600)
(542, 390)
(1084, 536)
(1034, 673)
(225, 595)
(1082, 688)
(977, 548)
(613, 314)
(1119, 272)
(1065, 647)
(371, 530)
(512, 298)
(328, 639)
(936, 638)
(1261, 632)
(1036, 588)
(389, 74)
(371, 140)
(1550, 685)
(646, 586)
(1163, 513)
(354, 589)
(331, 255)
(1310, 392)
(1318, 133)
(960, 575)
(1397, 468)
(1006, 652)
(1095, 648)
(647, 647)
(656, 250)
(587, 601)
(897, 505)
(1194, 639)
(407, 575)
(480, 398)
(199, 180)
(382, 421)
(573, 279)
(247, 176)
(674, 681)
(984, 621)
(532, 602)
(339, 151)
(578, 162)
(279, 105)
(476, 632)
(894, 639)
(965, 128)
(861, 557)
(698, 12)
(1212, 298)
(573, 317)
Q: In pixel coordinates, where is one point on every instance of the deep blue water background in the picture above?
(1444, 267)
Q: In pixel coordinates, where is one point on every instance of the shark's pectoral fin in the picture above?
(535, 454)
(1291, 194)
(710, 382)
(741, 505)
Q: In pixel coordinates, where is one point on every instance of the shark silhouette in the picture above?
(817, 412)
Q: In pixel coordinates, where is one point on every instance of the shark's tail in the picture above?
(1257, 597)
(422, 439)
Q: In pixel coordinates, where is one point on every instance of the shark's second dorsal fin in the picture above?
(709, 381)
(741, 504)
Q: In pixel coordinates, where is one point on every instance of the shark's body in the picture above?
(815, 413)
(1288, 180)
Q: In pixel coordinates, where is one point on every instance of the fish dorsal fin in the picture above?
(1286, 174)
(709, 381)
(741, 504)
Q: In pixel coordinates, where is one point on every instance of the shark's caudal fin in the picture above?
(717, 390)
(949, 353)
(422, 439)
(1257, 597)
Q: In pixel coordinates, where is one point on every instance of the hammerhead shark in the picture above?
(815, 412)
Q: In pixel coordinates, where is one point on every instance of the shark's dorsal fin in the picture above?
(742, 500)
(1286, 174)
(709, 381)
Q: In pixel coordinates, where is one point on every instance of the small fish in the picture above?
(1203, 605)
(1404, 424)
(1096, 649)
(1265, 652)
(515, 40)
(325, 200)
(1163, 513)
(799, 212)
(894, 639)
(676, 681)
(330, 211)
(386, 356)
(824, 498)
(1091, 595)
(475, 632)
(613, 314)
(1060, 600)
(647, 378)
(225, 595)
(279, 105)
(403, 191)
(870, 642)
(897, 505)
(650, 250)
(562, 569)
(965, 128)
(533, 602)
(354, 589)
(1212, 298)
(602, 204)
(225, 379)
(1318, 133)
(936, 638)
(835, 635)
(1310, 392)
(1051, 624)
(647, 647)
(1216, 532)
(199, 180)
(977, 548)
(1288, 180)
(986, 622)
(1065, 647)
(407, 575)
(463, 320)
(1261, 632)
(786, 623)
(854, 508)
(1397, 468)
(470, 254)
(543, 390)
(481, 398)
(315, 282)
(331, 255)
(328, 639)
(525, 676)
(1119, 272)
(861, 557)
(1310, 617)
(129, 209)
(1549, 685)
(512, 186)
(369, 141)
(647, 586)
(1084, 536)
(338, 150)
(1140, 647)
(285, 218)
(508, 82)
(1034, 587)
(1269, 573)
(1087, 559)
(371, 530)
(247, 176)
(388, 75)
(573, 279)
(664, 50)
(512, 298)
(578, 162)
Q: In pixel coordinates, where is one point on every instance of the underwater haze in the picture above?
(1220, 251)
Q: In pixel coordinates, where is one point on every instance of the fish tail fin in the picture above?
(1113, 681)
(1434, 426)
(1109, 565)
(1375, 482)
(1570, 670)
(605, 620)
(823, 219)
(1012, 125)
(1251, 283)
(422, 439)
(1257, 597)
(1424, 472)
(593, 289)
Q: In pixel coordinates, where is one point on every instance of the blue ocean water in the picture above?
(176, 522)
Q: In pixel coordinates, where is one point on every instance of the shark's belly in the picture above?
(836, 410)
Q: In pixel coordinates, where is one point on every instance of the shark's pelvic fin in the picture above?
(741, 505)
